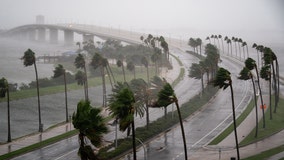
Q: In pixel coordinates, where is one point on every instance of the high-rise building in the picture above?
(39, 19)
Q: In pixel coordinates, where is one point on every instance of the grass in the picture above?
(266, 154)
(272, 126)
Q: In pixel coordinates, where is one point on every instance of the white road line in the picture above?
(65, 154)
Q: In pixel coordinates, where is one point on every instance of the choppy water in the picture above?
(11, 66)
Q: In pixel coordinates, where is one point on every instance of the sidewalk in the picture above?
(225, 149)
(35, 138)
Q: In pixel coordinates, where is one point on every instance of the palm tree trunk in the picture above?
(223, 47)
(133, 139)
(66, 104)
(278, 82)
(87, 87)
(8, 107)
(270, 110)
(104, 86)
(255, 103)
(109, 77)
(182, 130)
(234, 119)
(123, 71)
(275, 87)
(247, 50)
(260, 93)
(111, 73)
(40, 128)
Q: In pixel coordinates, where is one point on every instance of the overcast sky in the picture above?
(194, 15)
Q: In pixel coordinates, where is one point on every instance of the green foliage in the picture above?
(3, 87)
(29, 58)
(158, 126)
(250, 63)
(245, 74)
(223, 78)
(89, 122)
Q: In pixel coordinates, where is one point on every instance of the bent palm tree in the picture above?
(166, 96)
(246, 74)
(90, 124)
(81, 63)
(119, 63)
(4, 88)
(60, 71)
(29, 59)
(122, 107)
(223, 80)
(81, 80)
(251, 64)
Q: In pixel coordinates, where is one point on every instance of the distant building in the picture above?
(39, 19)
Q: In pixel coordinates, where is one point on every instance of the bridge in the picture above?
(50, 33)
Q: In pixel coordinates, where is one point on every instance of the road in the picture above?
(202, 127)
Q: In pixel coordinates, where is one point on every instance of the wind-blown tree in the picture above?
(29, 60)
(240, 41)
(251, 64)
(269, 57)
(229, 42)
(235, 40)
(220, 37)
(243, 45)
(80, 77)
(90, 124)
(141, 92)
(167, 96)
(199, 42)
(196, 71)
(80, 63)
(119, 63)
(123, 106)
(246, 74)
(58, 72)
(223, 80)
(99, 62)
(216, 37)
(193, 43)
(156, 85)
(156, 58)
(145, 62)
(212, 58)
(208, 38)
(213, 36)
(4, 89)
(131, 67)
(265, 73)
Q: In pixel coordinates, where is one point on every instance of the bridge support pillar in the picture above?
(68, 37)
(53, 36)
(41, 34)
(32, 35)
(88, 37)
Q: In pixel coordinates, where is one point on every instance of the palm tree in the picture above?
(199, 43)
(91, 125)
(80, 63)
(269, 57)
(145, 62)
(60, 71)
(240, 41)
(235, 40)
(29, 59)
(4, 88)
(122, 106)
(119, 63)
(265, 73)
(250, 64)
(220, 37)
(223, 80)
(243, 45)
(99, 62)
(81, 80)
(167, 96)
(246, 74)
(208, 38)
(196, 71)
(131, 67)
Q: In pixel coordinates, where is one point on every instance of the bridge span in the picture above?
(49, 33)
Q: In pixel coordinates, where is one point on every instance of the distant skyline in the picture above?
(194, 16)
